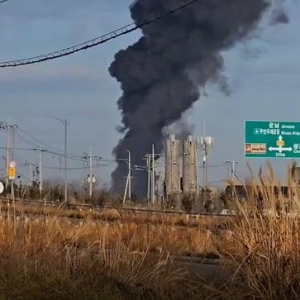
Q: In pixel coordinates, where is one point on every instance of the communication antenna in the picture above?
(207, 143)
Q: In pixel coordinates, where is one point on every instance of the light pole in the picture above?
(65, 123)
(129, 174)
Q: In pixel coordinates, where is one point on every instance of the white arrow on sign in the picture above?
(280, 149)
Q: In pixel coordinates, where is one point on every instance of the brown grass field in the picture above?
(112, 257)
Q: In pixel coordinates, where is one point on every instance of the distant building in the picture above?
(189, 166)
(172, 166)
(245, 192)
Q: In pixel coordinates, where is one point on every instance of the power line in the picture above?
(78, 168)
(30, 143)
(216, 181)
(94, 42)
(214, 166)
(2, 1)
(54, 151)
(38, 142)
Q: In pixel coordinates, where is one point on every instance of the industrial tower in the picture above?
(172, 169)
(190, 166)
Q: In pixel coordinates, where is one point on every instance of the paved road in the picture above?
(206, 271)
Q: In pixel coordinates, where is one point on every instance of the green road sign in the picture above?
(270, 139)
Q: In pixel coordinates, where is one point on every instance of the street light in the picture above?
(65, 123)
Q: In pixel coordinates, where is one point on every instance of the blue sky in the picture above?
(263, 73)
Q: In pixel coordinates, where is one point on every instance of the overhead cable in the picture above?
(213, 166)
(77, 168)
(53, 150)
(94, 42)
(28, 142)
(39, 141)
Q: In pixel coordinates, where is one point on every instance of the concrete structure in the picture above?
(172, 165)
(190, 166)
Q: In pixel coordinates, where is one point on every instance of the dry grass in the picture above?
(111, 257)
(52, 260)
(264, 247)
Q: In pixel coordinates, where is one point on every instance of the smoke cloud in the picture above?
(161, 75)
(181, 128)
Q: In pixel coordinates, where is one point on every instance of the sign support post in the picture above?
(11, 177)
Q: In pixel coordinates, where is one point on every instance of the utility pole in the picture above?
(147, 158)
(7, 166)
(65, 123)
(91, 170)
(129, 174)
(232, 165)
(149, 177)
(12, 143)
(153, 174)
(66, 161)
(125, 192)
(232, 168)
(128, 185)
(7, 154)
(60, 171)
(30, 174)
(40, 174)
(12, 159)
(91, 179)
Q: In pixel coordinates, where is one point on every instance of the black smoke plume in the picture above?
(161, 75)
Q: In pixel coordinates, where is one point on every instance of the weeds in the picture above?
(50, 260)
(263, 248)
(118, 255)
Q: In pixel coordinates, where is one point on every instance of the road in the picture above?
(208, 270)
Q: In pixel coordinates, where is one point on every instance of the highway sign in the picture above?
(272, 139)
(12, 171)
